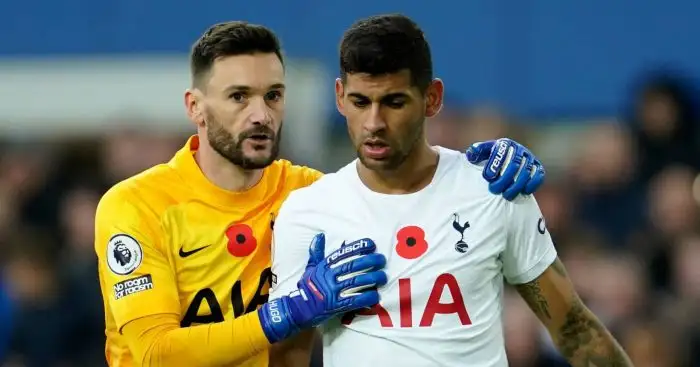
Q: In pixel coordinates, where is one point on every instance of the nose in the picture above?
(260, 113)
(374, 121)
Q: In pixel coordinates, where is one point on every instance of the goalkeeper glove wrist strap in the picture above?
(277, 320)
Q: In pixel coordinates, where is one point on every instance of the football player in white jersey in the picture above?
(448, 242)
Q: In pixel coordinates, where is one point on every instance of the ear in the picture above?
(194, 106)
(339, 96)
(433, 97)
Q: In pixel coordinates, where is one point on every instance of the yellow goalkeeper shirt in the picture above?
(172, 244)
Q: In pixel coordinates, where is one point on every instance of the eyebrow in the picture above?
(385, 97)
(246, 88)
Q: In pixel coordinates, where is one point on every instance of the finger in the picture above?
(523, 176)
(365, 299)
(317, 249)
(351, 250)
(363, 264)
(512, 163)
(479, 152)
(499, 158)
(537, 178)
(362, 282)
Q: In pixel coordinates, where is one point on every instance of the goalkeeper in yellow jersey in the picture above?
(184, 247)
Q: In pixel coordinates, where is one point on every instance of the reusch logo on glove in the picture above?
(502, 149)
(350, 247)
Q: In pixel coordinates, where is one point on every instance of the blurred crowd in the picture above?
(48, 196)
(621, 202)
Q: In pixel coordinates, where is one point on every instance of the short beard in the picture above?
(224, 143)
(398, 157)
(392, 162)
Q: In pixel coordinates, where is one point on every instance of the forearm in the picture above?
(585, 342)
(156, 341)
(578, 334)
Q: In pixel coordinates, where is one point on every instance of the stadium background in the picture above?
(91, 92)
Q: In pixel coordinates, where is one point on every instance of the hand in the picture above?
(346, 280)
(504, 160)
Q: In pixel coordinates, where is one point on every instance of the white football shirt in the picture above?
(448, 249)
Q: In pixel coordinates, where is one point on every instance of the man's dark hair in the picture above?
(230, 39)
(386, 44)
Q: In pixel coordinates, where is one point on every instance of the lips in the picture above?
(375, 148)
(259, 137)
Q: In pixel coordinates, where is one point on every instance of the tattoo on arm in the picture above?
(532, 294)
(580, 336)
(584, 341)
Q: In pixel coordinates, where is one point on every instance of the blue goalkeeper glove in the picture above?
(511, 169)
(346, 280)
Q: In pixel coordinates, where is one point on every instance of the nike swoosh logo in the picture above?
(184, 253)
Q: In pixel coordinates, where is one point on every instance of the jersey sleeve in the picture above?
(529, 250)
(291, 238)
(311, 175)
(135, 276)
(159, 341)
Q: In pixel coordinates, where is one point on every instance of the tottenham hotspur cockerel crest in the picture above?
(460, 246)
(124, 254)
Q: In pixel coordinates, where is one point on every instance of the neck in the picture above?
(414, 174)
(223, 173)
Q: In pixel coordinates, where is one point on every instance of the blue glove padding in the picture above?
(326, 288)
(511, 169)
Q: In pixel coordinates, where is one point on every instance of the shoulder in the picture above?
(335, 184)
(293, 175)
(467, 177)
(473, 187)
(461, 186)
(128, 220)
(140, 196)
(523, 206)
(323, 191)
